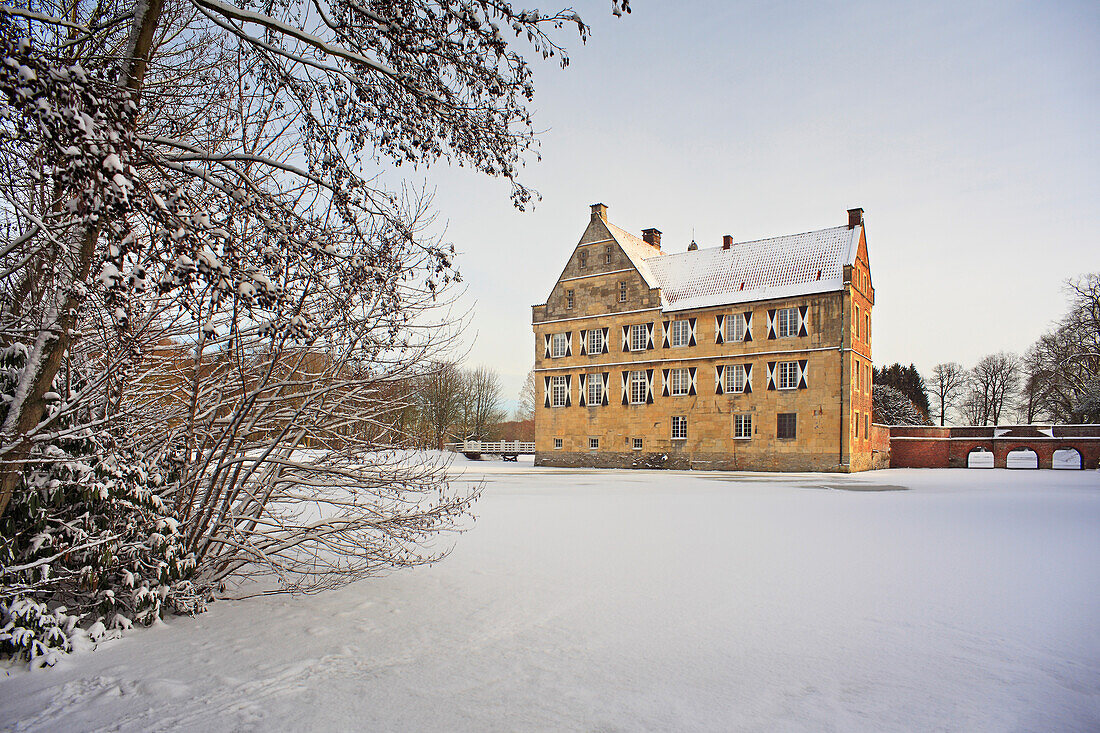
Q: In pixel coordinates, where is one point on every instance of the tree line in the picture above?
(1057, 379)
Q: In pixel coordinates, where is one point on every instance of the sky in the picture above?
(966, 131)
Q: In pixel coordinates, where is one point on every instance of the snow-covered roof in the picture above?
(779, 267)
(638, 250)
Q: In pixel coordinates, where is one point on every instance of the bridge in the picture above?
(509, 450)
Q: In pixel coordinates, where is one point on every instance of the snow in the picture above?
(619, 600)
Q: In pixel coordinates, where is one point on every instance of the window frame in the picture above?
(792, 423)
(637, 379)
(638, 328)
(556, 382)
(679, 333)
(788, 317)
(595, 341)
(554, 340)
(595, 386)
(781, 371)
(622, 291)
(637, 444)
(682, 421)
(607, 255)
(558, 443)
(735, 318)
(582, 259)
(570, 299)
(593, 443)
(742, 419)
(679, 382)
(730, 377)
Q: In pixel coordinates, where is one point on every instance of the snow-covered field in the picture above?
(617, 600)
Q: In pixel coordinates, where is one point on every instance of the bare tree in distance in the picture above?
(527, 398)
(480, 400)
(946, 385)
(993, 384)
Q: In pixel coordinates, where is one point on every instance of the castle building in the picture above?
(749, 356)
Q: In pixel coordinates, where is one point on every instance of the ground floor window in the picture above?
(742, 426)
(786, 425)
(679, 427)
(637, 444)
(856, 421)
(557, 443)
(594, 443)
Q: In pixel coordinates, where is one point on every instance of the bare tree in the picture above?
(480, 403)
(993, 384)
(946, 385)
(440, 394)
(527, 398)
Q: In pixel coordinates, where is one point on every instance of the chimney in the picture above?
(855, 218)
(599, 211)
(652, 237)
(727, 241)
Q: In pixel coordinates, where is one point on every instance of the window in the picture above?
(679, 427)
(607, 254)
(595, 341)
(855, 372)
(867, 381)
(558, 344)
(787, 322)
(855, 322)
(569, 299)
(559, 391)
(593, 443)
(866, 425)
(736, 378)
(866, 326)
(742, 426)
(622, 292)
(735, 327)
(638, 337)
(637, 444)
(582, 258)
(557, 443)
(637, 388)
(786, 424)
(595, 390)
(788, 374)
(681, 333)
(855, 419)
(678, 381)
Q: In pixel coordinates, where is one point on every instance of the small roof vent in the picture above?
(693, 246)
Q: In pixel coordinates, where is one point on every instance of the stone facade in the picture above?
(825, 381)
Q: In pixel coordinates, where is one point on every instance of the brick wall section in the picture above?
(880, 446)
(935, 447)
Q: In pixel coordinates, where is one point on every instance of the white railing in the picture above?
(492, 447)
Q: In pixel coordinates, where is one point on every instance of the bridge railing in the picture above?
(493, 447)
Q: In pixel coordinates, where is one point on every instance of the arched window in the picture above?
(1022, 458)
(1067, 459)
(979, 458)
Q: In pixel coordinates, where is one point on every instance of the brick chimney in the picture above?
(599, 211)
(855, 218)
(727, 241)
(652, 237)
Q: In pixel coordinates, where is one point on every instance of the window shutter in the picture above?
(748, 326)
(626, 378)
(719, 328)
(664, 339)
(582, 396)
(626, 338)
(584, 343)
(606, 340)
(649, 335)
(569, 343)
(771, 323)
(771, 376)
(649, 386)
(664, 382)
(606, 386)
(803, 320)
(748, 378)
(691, 335)
(546, 392)
(546, 339)
(802, 373)
(691, 387)
(719, 380)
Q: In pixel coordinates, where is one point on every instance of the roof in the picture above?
(638, 250)
(779, 267)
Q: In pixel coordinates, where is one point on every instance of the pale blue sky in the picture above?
(967, 131)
